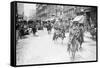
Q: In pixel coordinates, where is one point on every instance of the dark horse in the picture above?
(59, 34)
(49, 28)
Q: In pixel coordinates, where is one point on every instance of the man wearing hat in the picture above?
(81, 18)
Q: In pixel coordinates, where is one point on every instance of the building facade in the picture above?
(48, 11)
(41, 12)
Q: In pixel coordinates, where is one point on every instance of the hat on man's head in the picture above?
(80, 12)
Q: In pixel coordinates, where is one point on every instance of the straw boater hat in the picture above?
(80, 12)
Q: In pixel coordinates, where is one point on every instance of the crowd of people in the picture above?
(74, 26)
(24, 27)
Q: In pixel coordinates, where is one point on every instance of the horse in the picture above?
(75, 41)
(73, 46)
(76, 29)
(59, 34)
(49, 28)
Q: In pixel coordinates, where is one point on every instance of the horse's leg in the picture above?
(54, 36)
(80, 42)
(62, 40)
(71, 51)
(77, 45)
(69, 48)
(57, 37)
(74, 49)
(63, 36)
(48, 31)
(74, 55)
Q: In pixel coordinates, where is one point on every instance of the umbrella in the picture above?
(80, 19)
